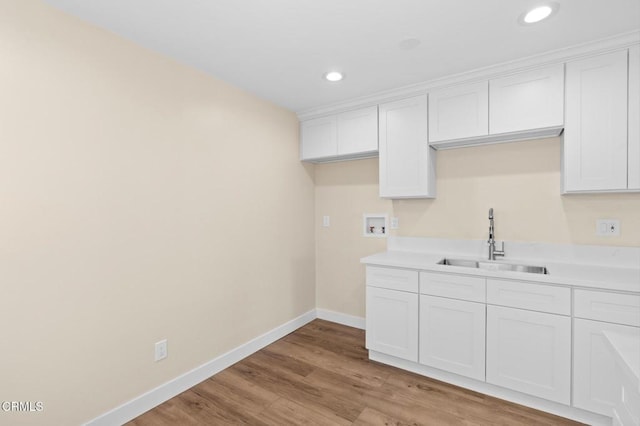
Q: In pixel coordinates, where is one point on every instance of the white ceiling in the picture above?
(279, 49)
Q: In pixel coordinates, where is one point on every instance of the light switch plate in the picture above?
(326, 221)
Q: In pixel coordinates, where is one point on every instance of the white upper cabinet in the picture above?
(459, 112)
(634, 117)
(526, 105)
(319, 138)
(407, 164)
(358, 131)
(595, 138)
(351, 134)
(527, 100)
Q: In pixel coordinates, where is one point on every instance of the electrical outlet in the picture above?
(326, 221)
(608, 228)
(394, 223)
(161, 350)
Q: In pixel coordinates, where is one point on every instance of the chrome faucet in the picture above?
(492, 242)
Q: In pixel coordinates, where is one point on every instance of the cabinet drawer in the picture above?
(610, 307)
(536, 297)
(393, 279)
(454, 286)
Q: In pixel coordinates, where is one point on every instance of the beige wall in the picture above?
(521, 181)
(140, 200)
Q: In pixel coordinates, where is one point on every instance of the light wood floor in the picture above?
(320, 375)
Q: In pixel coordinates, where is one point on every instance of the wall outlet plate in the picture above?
(608, 227)
(161, 351)
(394, 223)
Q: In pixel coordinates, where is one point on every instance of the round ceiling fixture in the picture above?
(538, 14)
(333, 76)
(409, 43)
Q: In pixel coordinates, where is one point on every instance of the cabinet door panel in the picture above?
(529, 352)
(358, 131)
(459, 112)
(392, 323)
(407, 164)
(319, 138)
(634, 117)
(595, 136)
(595, 385)
(528, 100)
(452, 336)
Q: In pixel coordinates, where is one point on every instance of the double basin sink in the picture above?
(494, 266)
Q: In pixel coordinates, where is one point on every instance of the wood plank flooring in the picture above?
(321, 375)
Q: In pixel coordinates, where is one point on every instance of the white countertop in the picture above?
(618, 269)
(626, 351)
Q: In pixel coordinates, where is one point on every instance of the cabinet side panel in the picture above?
(634, 117)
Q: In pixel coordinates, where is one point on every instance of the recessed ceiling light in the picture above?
(538, 14)
(333, 76)
(409, 43)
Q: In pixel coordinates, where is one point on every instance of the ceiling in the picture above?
(279, 49)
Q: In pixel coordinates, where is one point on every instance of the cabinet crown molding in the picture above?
(562, 55)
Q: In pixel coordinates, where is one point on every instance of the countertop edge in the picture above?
(394, 259)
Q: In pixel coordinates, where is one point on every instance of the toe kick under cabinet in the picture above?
(543, 340)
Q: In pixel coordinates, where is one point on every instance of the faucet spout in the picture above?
(492, 242)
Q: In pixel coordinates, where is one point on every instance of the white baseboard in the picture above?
(132, 409)
(344, 319)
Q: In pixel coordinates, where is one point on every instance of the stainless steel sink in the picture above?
(494, 266)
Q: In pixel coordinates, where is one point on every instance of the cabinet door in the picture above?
(459, 112)
(407, 164)
(595, 385)
(319, 138)
(634, 117)
(527, 100)
(358, 131)
(392, 323)
(595, 136)
(452, 334)
(529, 352)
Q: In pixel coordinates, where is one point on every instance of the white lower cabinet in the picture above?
(392, 322)
(452, 335)
(529, 352)
(523, 336)
(595, 385)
